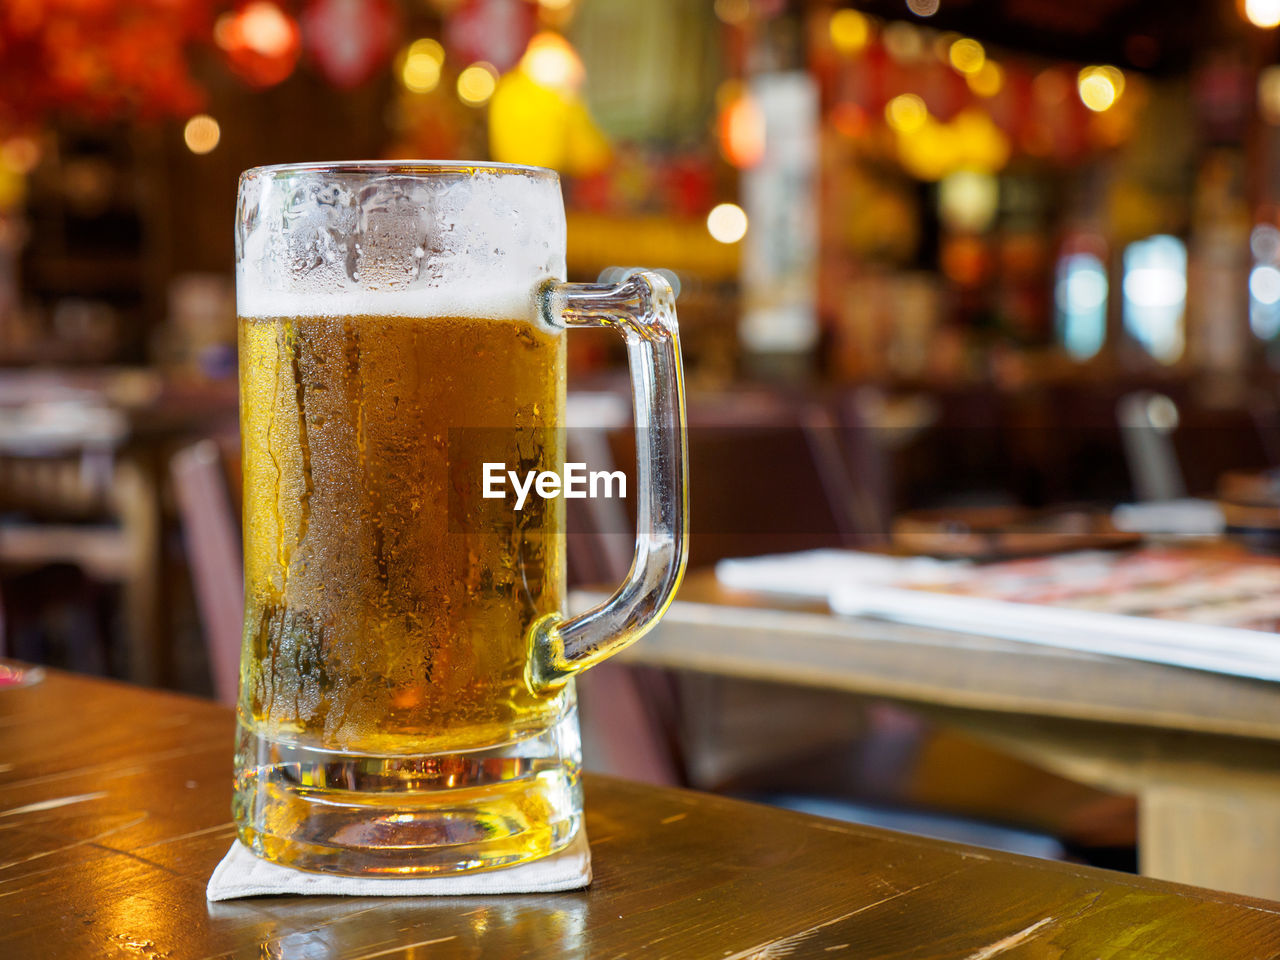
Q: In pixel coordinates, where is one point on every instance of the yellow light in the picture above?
(554, 4)
(1263, 13)
(727, 223)
(1100, 87)
(477, 83)
(733, 12)
(551, 61)
(967, 55)
(201, 133)
(420, 70)
(906, 113)
(850, 31)
(988, 81)
(968, 200)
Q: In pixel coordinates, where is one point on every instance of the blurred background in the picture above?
(933, 256)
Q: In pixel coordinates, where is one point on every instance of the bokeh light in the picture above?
(987, 81)
(261, 41)
(850, 31)
(1051, 87)
(201, 134)
(967, 55)
(421, 65)
(733, 12)
(1262, 13)
(1080, 295)
(906, 113)
(923, 8)
(477, 83)
(741, 129)
(552, 62)
(903, 42)
(20, 154)
(1100, 87)
(1155, 295)
(727, 223)
(1269, 94)
(968, 200)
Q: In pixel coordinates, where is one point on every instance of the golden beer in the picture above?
(406, 697)
(371, 626)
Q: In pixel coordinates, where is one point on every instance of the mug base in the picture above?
(409, 815)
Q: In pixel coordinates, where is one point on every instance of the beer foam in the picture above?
(376, 239)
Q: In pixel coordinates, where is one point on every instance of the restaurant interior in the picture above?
(976, 297)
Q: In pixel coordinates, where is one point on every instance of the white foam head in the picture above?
(418, 239)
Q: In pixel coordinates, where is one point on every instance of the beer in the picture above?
(406, 700)
(372, 626)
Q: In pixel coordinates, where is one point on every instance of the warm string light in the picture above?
(906, 113)
(1262, 13)
(551, 61)
(1100, 87)
(202, 134)
(727, 223)
(967, 55)
(476, 83)
(850, 31)
(421, 64)
(741, 129)
(987, 81)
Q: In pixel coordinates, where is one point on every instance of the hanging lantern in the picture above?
(261, 42)
(492, 31)
(349, 40)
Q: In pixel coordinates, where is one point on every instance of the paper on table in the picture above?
(1230, 650)
(815, 573)
(243, 874)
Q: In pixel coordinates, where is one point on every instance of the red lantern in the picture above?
(495, 31)
(349, 39)
(261, 41)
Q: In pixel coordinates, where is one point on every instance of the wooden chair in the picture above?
(212, 536)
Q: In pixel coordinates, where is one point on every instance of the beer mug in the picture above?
(406, 688)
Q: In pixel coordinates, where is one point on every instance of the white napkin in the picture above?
(243, 874)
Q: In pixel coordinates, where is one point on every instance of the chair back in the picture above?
(212, 537)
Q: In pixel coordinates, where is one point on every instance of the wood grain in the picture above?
(1200, 750)
(113, 813)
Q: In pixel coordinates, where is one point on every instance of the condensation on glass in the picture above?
(406, 699)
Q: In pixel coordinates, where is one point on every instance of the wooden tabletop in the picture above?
(774, 637)
(114, 810)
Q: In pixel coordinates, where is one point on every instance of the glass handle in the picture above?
(642, 308)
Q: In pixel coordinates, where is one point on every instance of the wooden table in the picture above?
(1200, 750)
(114, 811)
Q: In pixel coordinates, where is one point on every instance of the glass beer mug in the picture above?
(406, 687)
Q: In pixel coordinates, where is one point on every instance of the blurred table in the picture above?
(1200, 750)
(114, 802)
(86, 452)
